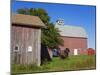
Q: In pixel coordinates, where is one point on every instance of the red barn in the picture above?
(75, 37)
(90, 51)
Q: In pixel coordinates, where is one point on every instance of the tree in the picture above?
(36, 12)
(50, 35)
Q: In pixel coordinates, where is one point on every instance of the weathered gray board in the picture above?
(25, 45)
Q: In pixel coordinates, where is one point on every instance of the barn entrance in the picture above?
(75, 51)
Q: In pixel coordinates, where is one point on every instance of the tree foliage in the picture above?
(50, 35)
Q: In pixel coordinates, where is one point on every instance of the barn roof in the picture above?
(27, 20)
(71, 31)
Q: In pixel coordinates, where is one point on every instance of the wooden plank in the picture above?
(25, 37)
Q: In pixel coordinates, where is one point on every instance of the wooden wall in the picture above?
(26, 38)
(74, 43)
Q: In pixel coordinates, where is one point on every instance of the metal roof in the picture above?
(71, 31)
(27, 20)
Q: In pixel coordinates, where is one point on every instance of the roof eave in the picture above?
(29, 25)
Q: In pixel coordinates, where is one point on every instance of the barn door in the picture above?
(75, 51)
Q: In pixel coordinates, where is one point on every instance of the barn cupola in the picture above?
(60, 22)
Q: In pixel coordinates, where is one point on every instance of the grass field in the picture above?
(80, 62)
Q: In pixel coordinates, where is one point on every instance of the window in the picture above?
(29, 48)
(16, 49)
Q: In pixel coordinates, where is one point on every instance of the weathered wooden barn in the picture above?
(75, 37)
(26, 39)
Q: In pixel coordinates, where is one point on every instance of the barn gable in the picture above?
(71, 31)
(74, 37)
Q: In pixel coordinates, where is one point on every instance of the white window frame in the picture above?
(17, 47)
(29, 49)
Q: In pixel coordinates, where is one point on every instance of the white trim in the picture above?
(29, 49)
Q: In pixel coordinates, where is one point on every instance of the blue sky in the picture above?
(76, 15)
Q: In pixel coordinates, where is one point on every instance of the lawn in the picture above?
(79, 62)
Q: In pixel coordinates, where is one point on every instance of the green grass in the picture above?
(72, 63)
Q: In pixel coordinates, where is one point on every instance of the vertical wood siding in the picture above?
(26, 37)
(74, 43)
